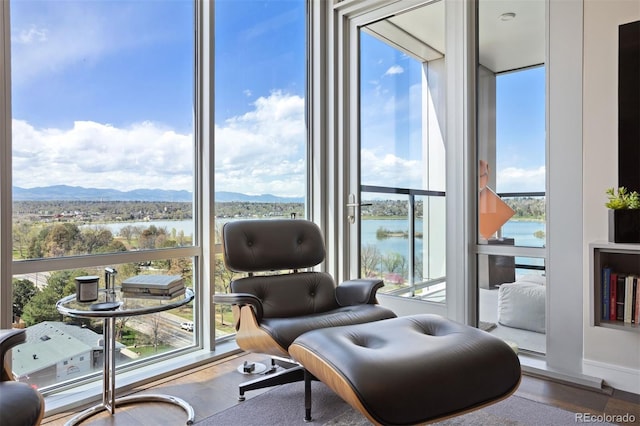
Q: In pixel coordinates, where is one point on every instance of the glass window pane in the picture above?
(102, 128)
(402, 152)
(390, 116)
(61, 348)
(511, 165)
(260, 127)
(385, 242)
(103, 163)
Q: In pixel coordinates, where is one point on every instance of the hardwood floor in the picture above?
(213, 388)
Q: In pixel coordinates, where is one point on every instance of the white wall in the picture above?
(611, 354)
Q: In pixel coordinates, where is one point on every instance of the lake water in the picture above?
(522, 231)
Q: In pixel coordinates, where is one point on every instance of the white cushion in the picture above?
(522, 305)
(532, 278)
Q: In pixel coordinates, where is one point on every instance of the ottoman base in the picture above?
(410, 370)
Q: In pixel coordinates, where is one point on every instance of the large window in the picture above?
(103, 173)
(260, 128)
(108, 164)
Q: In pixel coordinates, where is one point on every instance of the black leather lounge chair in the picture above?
(272, 310)
(20, 404)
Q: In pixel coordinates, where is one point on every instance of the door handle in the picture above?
(351, 208)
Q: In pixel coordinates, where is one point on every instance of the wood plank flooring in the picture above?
(213, 388)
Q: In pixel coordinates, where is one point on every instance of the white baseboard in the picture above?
(623, 378)
(537, 366)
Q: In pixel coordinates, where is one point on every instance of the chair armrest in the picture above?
(8, 339)
(358, 292)
(241, 299)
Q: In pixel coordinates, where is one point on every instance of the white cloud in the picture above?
(31, 35)
(390, 170)
(513, 179)
(96, 155)
(262, 151)
(394, 69)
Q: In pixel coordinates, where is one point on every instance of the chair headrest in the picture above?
(271, 245)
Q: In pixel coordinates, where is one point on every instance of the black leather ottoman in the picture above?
(410, 370)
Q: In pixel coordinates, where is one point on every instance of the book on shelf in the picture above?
(620, 296)
(613, 302)
(637, 296)
(606, 292)
(156, 296)
(630, 299)
(161, 285)
(629, 303)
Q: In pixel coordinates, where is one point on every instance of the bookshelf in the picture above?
(621, 258)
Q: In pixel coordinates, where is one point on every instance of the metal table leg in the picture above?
(89, 412)
(109, 401)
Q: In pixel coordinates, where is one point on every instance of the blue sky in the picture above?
(102, 97)
(114, 62)
(521, 131)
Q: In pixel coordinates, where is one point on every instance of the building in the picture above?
(58, 352)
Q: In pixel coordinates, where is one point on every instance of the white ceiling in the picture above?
(503, 45)
(509, 45)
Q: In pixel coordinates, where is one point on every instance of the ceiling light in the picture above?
(507, 16)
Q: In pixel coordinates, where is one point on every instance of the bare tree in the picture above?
(154, 322)
(222, 281)
(370, 258)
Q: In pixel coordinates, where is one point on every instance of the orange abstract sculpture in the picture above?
(493, 211)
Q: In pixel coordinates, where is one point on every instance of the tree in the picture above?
(370, 260)
(42, 306)
(155, 324)
(115, 246)
(94, 240)
(152, 237)
(21, 238)
(540, 234)
(121, 323)
(222, 283)
(128, 233)
(23, 292)
(36, 244)
(61, 239)
(395, 263)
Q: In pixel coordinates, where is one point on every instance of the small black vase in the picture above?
(624, 226)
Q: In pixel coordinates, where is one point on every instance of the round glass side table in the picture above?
(109, 306)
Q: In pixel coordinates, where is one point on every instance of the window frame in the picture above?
(6, 241)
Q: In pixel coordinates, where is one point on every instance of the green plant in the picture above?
(622, 199)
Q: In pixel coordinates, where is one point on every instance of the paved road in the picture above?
(38, 278)
(167, 326)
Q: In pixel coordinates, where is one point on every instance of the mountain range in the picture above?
(78, 193)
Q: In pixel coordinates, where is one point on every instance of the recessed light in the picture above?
(507, 16)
